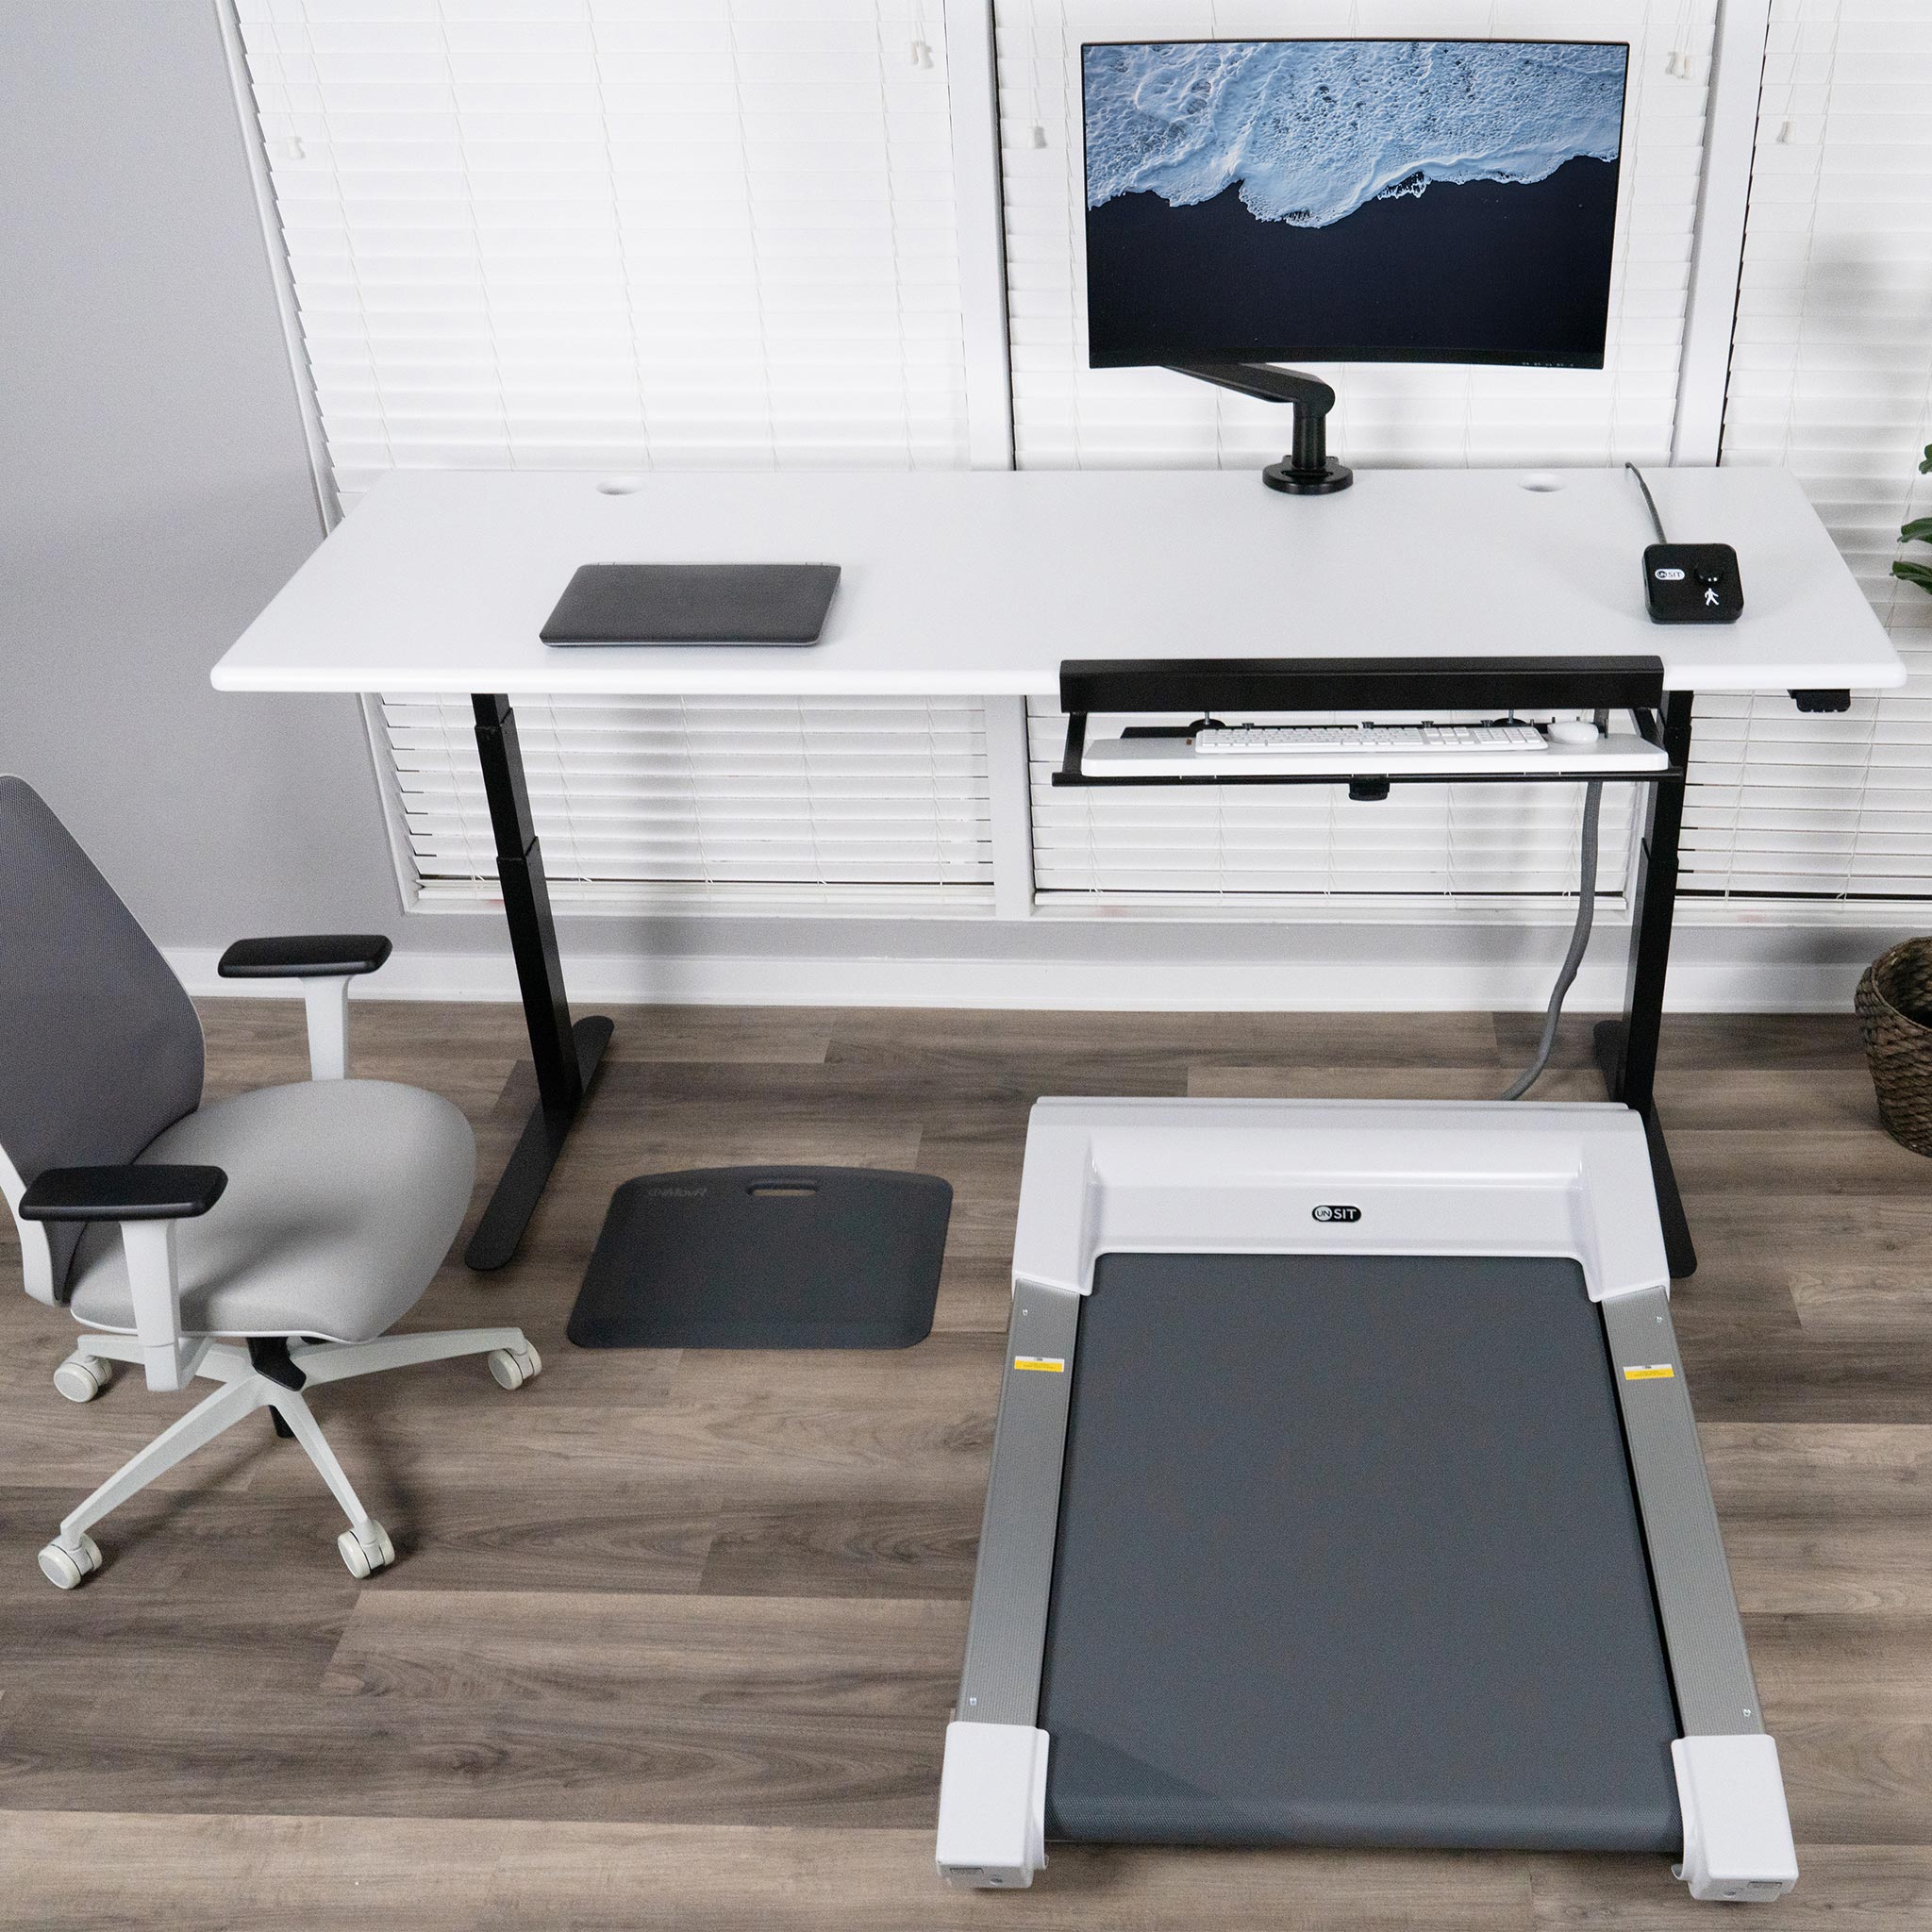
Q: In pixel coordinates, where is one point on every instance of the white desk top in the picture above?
(980, 582)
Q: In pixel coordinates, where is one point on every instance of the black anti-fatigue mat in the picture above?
(766, 1257)
(1349, 1555)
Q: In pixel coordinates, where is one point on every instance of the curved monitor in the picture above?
(1351, 201)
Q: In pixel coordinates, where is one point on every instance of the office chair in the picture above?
(265, 1242)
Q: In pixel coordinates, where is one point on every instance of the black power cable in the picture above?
(1649, 500)
(1579, 936)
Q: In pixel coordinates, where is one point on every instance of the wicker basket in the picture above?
(1894, 1004)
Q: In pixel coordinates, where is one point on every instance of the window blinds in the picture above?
(578, 233)
(1066, 414)
(804, 804)
(1831, 374)
(627, 234)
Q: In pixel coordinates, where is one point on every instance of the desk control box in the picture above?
(1692, 583)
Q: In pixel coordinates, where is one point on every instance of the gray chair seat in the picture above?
(342, 1199)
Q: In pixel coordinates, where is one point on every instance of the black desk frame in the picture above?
(1627, 1048)
(565, 1054)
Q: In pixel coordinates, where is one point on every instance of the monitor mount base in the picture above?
(1307, 469)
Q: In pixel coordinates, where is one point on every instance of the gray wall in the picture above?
(155, 489)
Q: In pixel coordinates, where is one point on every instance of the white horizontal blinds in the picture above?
(1240, 845)
(589, 233)
(713, 801)
(1067, 415)
(627, 234)
(1831, 374)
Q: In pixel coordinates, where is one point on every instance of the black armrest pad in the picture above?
(121, 1193)
(304, 956)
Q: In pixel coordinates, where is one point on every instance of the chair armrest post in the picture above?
(149, 1246)
(327, 1005)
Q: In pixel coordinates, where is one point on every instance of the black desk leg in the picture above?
(1627, 1048)
(566, 1056)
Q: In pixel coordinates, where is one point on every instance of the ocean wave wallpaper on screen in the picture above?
(1447, 201)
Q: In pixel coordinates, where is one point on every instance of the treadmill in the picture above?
(1346, 1491)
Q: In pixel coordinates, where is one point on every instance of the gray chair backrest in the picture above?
(99, 1046)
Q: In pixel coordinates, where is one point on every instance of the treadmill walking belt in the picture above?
(1349, 1555)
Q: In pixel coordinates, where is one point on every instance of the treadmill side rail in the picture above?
(1737, 1832)
(1737, 1829)
(1012, 1584)
(992, 1807)
(1710, 1669)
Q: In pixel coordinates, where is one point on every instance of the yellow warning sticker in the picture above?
(1650, 1371)
(1051, 1364)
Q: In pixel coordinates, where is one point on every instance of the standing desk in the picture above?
(981, 583)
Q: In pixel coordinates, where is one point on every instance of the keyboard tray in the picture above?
(1154, 756)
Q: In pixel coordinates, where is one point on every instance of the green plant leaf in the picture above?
(1918, 531)
(1920, 573)
(1926, 468)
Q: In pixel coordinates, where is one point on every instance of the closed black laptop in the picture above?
(693, 604)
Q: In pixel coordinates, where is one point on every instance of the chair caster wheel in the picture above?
(366, 1549)
(513, 1367)
(81, 1377)
(68, 1569)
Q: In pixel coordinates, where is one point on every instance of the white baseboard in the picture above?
(1756, 975)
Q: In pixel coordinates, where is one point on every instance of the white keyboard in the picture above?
(1346, 751)
(1244, 741)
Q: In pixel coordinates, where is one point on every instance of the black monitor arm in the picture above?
(1307, 469)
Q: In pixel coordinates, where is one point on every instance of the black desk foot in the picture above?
(1679, 1250)
(1606, 1043)
(501, 1229)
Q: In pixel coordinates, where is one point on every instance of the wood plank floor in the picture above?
(672, 1640)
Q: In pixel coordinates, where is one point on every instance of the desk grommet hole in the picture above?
(1542, 482)
(619, 485)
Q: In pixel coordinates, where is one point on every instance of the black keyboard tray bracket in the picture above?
(1210, 687)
